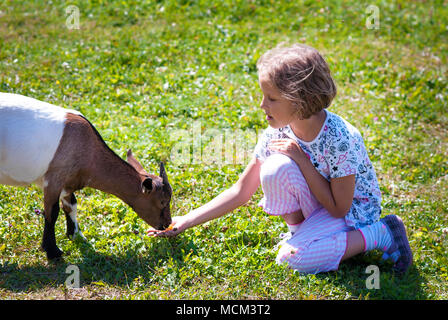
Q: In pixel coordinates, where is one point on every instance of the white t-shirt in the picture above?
(337, 151)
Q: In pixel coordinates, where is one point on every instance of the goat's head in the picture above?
(153, 202)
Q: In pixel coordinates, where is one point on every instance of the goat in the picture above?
(59, 150)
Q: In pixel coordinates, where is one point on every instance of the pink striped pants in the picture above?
(320, 242)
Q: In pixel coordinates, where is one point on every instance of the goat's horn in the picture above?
(163, 173)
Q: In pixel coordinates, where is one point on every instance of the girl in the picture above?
(314, 171)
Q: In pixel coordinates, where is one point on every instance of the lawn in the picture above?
(156, 75)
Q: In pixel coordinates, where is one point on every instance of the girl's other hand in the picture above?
(177, 226)
(287, 147)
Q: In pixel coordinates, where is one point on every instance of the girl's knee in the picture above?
(298, 260)
(293, 258)
(285, 254)
(279, 184)
(275, 168)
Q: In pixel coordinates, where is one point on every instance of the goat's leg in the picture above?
(51, 204)
(69, 205)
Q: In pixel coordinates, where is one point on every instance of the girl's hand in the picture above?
(287, 147)
(178, 225)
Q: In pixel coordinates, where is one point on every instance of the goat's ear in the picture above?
(147, 185)
(134, 163)
(165, 178)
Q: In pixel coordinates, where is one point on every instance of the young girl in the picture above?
(314, 171)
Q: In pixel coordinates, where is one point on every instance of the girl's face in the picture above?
(279, 111)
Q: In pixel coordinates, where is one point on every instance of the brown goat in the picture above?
(61, 151)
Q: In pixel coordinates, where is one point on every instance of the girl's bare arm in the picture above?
(227, 201)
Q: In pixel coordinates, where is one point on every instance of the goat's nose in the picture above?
(164, 225)
(167, 224)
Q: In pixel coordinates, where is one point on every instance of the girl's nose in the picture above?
(263, 104)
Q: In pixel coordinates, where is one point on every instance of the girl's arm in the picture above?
(336, 196)
(227, 201)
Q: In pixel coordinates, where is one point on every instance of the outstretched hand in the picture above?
(177, 226)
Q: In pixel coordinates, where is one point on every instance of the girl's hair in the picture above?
(301, 75)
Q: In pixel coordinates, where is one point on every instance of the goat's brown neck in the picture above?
(113, 175)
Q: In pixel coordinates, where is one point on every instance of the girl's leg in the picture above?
(321, 241)
(388, 235)
(318, 245)
(355, 244)
(285, 189)
(293, 220)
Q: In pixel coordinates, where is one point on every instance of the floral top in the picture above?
(337, 151)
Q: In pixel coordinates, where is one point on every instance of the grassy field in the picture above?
(143, 71)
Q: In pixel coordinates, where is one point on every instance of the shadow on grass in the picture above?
(354, 277)
(123, 268)
(96, 267)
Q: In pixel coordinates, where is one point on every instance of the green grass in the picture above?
(140, 70)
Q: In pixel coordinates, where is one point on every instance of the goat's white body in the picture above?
(30, 132)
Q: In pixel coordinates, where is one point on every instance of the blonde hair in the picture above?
(301, 75)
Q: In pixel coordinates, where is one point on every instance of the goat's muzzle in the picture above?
(164, 225)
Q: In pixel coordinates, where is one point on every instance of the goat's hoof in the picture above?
(56, 261)
(54, 255)
(77, 236)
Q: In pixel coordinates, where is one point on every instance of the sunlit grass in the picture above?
(140, 71)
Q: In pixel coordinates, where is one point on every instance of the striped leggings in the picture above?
(320, 242)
